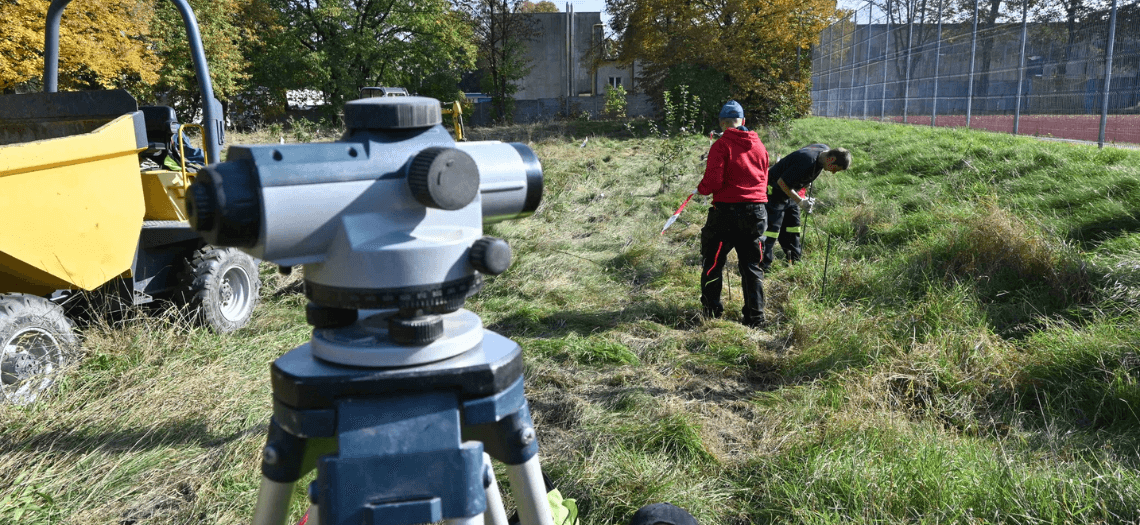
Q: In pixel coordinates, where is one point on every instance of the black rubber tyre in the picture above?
(36, 342)
(223, 288)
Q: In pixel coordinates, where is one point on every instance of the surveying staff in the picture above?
(787, 183)
(736, 175)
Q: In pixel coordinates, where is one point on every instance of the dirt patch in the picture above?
(159, 504)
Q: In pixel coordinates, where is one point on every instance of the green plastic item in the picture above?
(564, 510)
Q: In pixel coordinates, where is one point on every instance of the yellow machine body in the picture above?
(165, 190)
(72, 208)
(165, 195)
(456, 112)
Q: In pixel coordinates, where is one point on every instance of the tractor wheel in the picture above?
(223, 287)
(36, 341)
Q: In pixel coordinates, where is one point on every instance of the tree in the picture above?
(545, 6)
(501, 35)
(914, 26)
(620, 11)
(223, 39)
(103, 44)
(340, 46)
(758, 46)
(1072, 12)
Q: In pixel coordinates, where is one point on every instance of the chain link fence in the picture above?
(1067, 69)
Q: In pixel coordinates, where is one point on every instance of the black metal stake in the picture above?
(826, 258)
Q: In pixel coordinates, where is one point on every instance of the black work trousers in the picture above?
(785, 227)
(738, 226)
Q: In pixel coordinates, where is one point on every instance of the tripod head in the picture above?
(387, 223)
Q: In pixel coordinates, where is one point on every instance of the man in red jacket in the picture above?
(737, 177)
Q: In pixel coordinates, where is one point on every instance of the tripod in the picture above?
(401, 444)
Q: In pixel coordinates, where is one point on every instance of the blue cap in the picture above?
(732, 110)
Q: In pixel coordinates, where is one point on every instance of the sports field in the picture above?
(1118, 129)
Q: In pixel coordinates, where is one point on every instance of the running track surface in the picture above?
(1119, 129)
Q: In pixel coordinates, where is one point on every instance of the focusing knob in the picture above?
(200, 207)
(443, 178)
(392, 113)
(224, 204)
(415, 331)
(490, 255)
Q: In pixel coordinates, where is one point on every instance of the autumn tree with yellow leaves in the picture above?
(103, 44)
(254, 48)
(756, 51)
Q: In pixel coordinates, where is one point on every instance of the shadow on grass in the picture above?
(1090, 235)
(586, 323)
(128, 440)
(1017, 284)
(1090, 392)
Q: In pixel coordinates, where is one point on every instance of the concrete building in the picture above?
(563, 57)
(569, 71)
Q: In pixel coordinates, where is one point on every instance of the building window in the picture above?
(615, 82)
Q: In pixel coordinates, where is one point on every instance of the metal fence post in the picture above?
(851, 87)
(1021, 68)
(831, 71)
(867, 63)
(973, 54)
(1107, 73)
(909, 51)
(937, 69)
(886, 56)
(816, 84)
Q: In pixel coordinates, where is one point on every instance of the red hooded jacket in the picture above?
(737, 169)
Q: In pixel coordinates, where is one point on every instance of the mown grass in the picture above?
(961, 344)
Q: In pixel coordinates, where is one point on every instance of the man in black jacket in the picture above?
(788, 180)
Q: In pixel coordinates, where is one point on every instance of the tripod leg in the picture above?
(495, 514)
(530, 492)
(503, 424)
(272, 502)
(282, 464)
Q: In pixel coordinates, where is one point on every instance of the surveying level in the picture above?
(400, 397)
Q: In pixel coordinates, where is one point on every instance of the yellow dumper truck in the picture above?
(92, 194)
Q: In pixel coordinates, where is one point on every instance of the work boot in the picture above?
(711, 311)
(754, 320)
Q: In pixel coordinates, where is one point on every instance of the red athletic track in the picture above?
(1119, 129)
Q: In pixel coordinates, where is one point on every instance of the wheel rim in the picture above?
(235, 294)
(28, 362)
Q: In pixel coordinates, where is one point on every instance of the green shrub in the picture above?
(615, 104)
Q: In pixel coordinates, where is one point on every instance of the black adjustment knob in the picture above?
(490, 255)
(329, 317)
(443, 178)
(224, 204)
(392, 113)
(415, 331)
(201, 209)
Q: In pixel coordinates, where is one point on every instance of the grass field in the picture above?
(961, 344)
